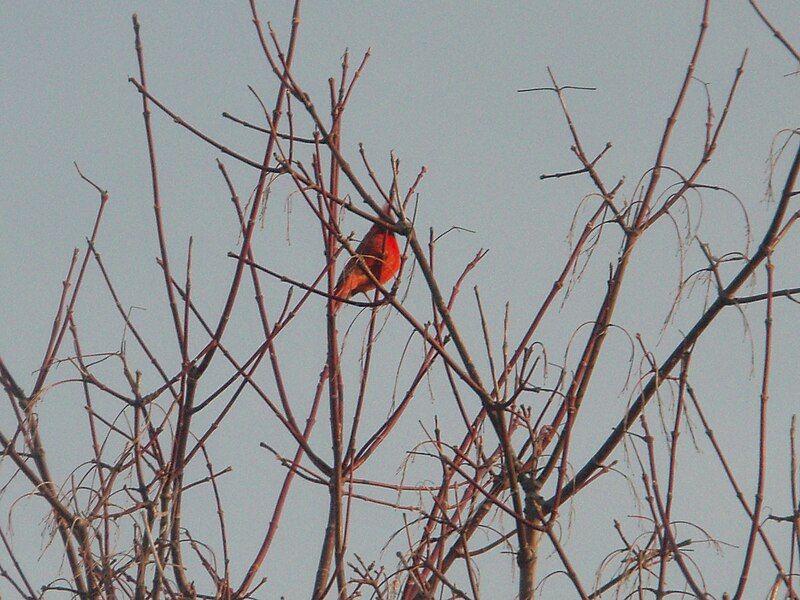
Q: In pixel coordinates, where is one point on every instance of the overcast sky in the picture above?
(439, 90)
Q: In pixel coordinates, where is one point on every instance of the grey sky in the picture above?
(439, 90)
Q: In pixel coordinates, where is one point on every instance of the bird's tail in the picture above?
(342, 290)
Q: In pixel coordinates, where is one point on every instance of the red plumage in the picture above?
(380, 253)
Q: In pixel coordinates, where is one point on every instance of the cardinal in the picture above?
(380, 253)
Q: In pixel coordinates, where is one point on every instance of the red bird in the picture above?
(380, 253)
